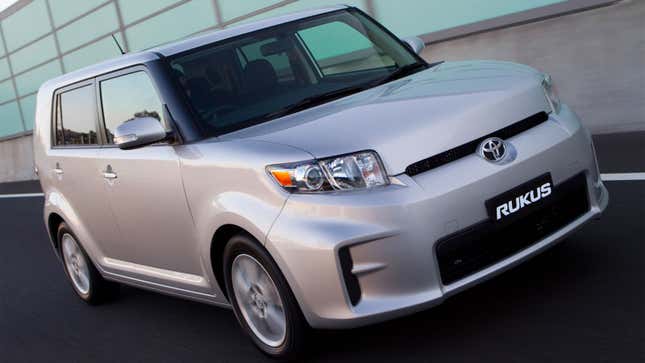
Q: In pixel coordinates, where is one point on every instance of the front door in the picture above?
(144, 187)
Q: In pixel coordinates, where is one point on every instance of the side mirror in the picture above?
(415, 44)
(139, 132)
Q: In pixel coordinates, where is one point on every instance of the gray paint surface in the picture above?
(389, 231)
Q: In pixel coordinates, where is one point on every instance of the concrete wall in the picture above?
(16, 160)
(596, 58)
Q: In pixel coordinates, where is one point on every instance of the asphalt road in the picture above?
(581, 301)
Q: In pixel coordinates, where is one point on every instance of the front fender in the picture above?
(226, 183)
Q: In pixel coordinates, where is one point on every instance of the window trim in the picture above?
(54, 119)
(99, 100)
(308, 56)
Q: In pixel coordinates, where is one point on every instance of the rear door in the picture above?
(145, 190)
(73, 166)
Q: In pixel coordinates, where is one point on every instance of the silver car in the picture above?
(309, 171)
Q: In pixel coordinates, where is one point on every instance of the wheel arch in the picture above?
(53, 221)
(220, 239)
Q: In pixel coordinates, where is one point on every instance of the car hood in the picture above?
(415, 117)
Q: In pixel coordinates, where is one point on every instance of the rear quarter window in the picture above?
(75, 117)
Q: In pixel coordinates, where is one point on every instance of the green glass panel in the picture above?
(98, 23)
(26, 24)
(171, 25)
(6, 91)
(234, 8)
(135, 10)
(4, 68)
(30, 81)
(10, 122)
(94, 53)
(28, 107)
(342, 39)
(423, 16)
(297, 6)
(35, 53)
(66, 10)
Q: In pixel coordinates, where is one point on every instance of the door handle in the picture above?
(58, 170)
(109, 174)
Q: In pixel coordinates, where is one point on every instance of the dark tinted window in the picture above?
(127, 97)
(279, 60)
(256, 77)
(77, 117)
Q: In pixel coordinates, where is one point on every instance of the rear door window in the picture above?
(127, 97)
(76, 117)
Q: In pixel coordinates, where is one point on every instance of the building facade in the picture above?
(41, 39)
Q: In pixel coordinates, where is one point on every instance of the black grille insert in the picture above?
(484, 244)
(351, 281)
(471, 147)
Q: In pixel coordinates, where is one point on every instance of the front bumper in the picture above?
(390, 234)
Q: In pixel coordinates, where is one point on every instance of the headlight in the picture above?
(361, 170)
(551, 94)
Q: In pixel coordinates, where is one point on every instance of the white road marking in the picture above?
(26, 195)
(623, 176)
(605, 177)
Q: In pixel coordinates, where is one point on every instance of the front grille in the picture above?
(487, 243)
(471, 147)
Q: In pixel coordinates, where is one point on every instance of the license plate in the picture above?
(522, 200)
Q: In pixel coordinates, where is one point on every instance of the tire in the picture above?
(256, 307)
(85, 279)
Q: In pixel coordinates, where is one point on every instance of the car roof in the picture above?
(173, 48)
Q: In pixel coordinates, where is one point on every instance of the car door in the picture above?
(73, 167)
(145, 191)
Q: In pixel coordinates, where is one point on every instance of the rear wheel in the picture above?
(86, 281)
(262, 300)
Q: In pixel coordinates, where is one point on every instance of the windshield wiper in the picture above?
(401, 72)
(333, 95)
(314, 101)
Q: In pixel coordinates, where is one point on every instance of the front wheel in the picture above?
(262, 300)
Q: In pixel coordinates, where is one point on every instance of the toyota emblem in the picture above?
(492, 149)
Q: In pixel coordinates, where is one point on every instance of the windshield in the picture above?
(273, 72)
